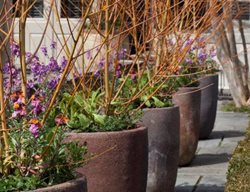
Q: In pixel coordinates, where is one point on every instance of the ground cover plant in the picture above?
(238, 174)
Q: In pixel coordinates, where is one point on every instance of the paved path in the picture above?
(207, 172)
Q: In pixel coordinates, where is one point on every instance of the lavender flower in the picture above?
(101, 63)
(44, 50)
(202, 56)
(53, 45)
(53, 65)
(64, 62)
(52, 83)
(15, 49)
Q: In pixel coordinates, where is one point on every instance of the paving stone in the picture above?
(224, 150)
(185, 183)
(231, 141)
(212, 156)
(221, 169)
(211, 183)
(209, 143)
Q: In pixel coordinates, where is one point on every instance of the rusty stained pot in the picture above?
(76, 185)
(163, 135)
(209, 98)
(118, 160)
(188, 99)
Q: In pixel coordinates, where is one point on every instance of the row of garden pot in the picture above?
(146, 158)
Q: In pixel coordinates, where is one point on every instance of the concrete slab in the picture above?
(185, 183)
(211, 161)
(211, 183)
(209, 143)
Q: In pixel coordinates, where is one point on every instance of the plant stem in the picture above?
(22, 22)
(4, 130)
(106, 67)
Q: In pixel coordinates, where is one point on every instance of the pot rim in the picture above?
(137, 128)
(64, 184)
(160, 108)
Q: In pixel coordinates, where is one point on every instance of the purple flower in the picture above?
(19, 113)
(97, 73)
(202, 56)
(212, 52)
(38, 70)
(18, 105)
(89, 55)
(44, 50)
(133, 75)
(53, 83)
(118, 71)
(53, 65)
(53, 45)
(15, 49)
(35, 125)
(64, 62)
(101, 63)
(188, 61)
(34, 129)
(36, 105)
(188, 42)
(122, 54)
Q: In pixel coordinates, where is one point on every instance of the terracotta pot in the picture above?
(76, 185)
(209, 97)
(163, 137)
(118, 160)
(188, 99)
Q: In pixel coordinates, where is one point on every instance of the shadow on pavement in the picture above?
(199, 188)
(209, 159)
(225, 134)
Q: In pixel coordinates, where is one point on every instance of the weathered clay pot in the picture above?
(209, 97)
(76, 185)
(188, 99)
(119, 160)
(163, 136)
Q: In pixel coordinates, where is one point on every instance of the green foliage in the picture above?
(87, 114)
(40, 162)
(238, 175)
(230, 106)
(153, 97)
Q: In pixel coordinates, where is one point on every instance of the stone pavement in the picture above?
(207, 172)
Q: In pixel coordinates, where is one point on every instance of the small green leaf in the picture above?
(158, 103)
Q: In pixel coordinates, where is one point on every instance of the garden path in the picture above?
(207, 172)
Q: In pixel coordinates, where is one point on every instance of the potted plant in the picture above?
(33, 154)
(188, 97)
(208, 83)
(200, 64)
(115, 142)
(162, 119)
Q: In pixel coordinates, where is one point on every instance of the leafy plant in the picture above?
(87, 115)
(198, 61)
(37, 155)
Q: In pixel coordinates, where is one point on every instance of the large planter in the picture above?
(188, 99)
(209, 97)
(118, 160)
(76, 185)
(163, 136)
